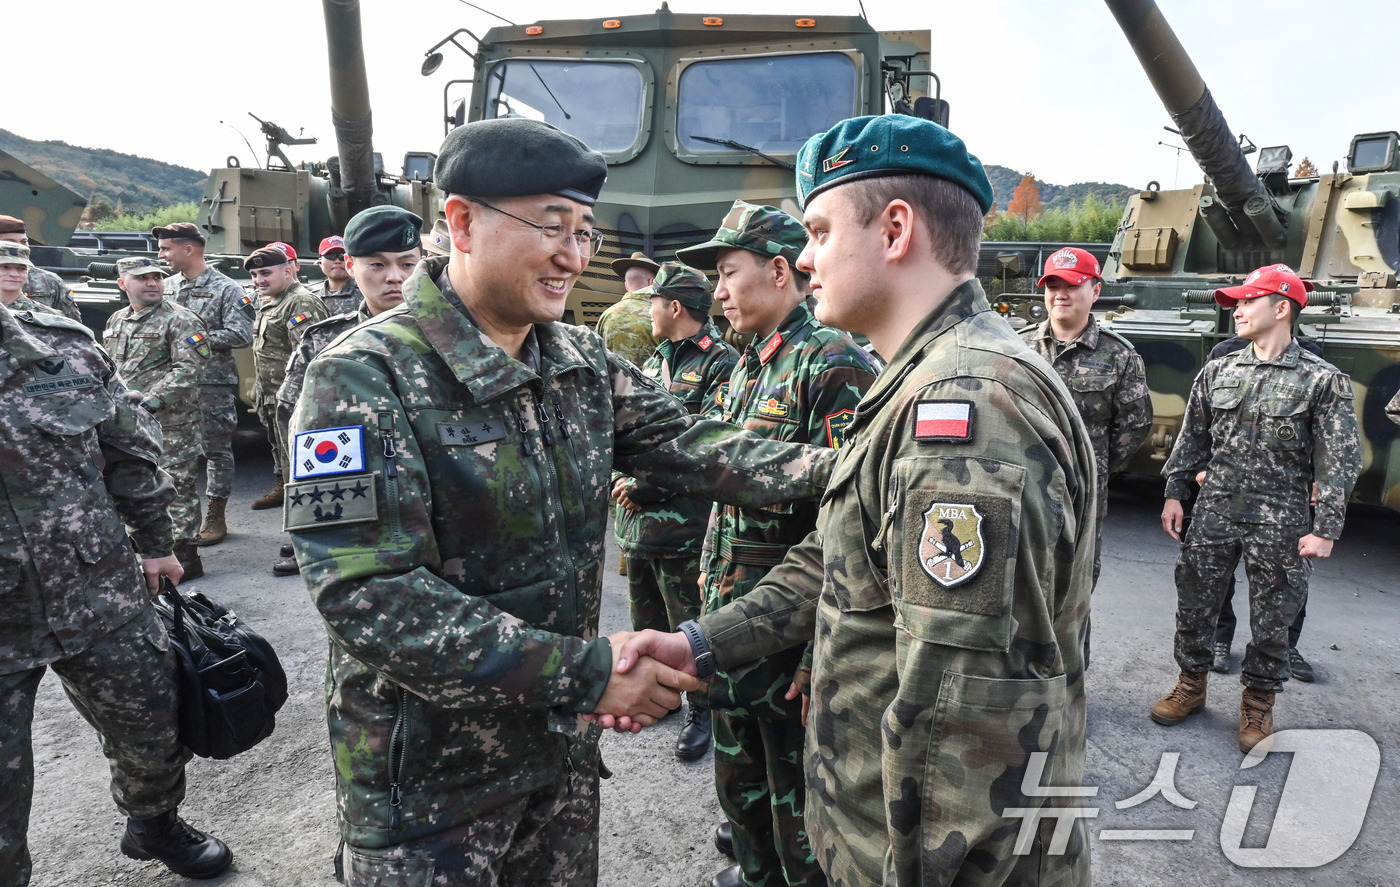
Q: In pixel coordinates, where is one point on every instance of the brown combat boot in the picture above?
(215, 528)
(1256, 718)
(271, 499)
(1187, 697)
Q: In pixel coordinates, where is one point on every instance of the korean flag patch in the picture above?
(328, 451)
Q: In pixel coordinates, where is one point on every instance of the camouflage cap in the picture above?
(765, 230)
(439, 240)
(140, 266)
(179, 231)
(12, 225)
(683, 284)
(14, 254)
(888, 145)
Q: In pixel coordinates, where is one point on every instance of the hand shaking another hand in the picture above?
(649, 674)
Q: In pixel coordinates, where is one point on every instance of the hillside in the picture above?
(135, 184)
(1005, 180)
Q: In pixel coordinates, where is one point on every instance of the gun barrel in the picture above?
(350, 110)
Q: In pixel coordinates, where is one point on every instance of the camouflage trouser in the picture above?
(219, 404)
(549, 839)
(276, 437)
(761, 786)
(663, 592)
(184, 508)
(1278, 586)
(123, 685)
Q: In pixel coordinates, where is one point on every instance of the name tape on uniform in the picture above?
(949, 420)
(328, 451)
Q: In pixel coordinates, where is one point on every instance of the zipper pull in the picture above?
(878, 544)
(386, 434)
(542, 414)
(395, 802)
(559, 414)
(525, 443)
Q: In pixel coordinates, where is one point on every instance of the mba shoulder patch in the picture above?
(319, 504)
(201, 347)
(328, 451)
(943, 420)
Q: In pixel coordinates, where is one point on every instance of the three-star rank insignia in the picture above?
(951, 546)
(348, 499)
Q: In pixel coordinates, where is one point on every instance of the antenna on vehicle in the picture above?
(861, 4)
(245, 141)
(487, 11)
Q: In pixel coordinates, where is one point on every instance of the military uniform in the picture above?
(343, 301)
(1265, 431)
(161, 352)
(457, 563)
(626, 327)
(313, 341)
(24, 303)
(277, 331)
(948, 586)
(662, 542)
(48, 289)
(227, 311)
(74, 597)
(799, 383)
(1106, 378)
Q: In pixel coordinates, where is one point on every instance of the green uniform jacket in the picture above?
(626, 327)
(948, 586)
(69, 574)
(48, 289)
(1266, 431)
(161, 352)
(346, 301)
(227, 311)
(695, 370)
(277, 330)
(317, 336)
(459, 567)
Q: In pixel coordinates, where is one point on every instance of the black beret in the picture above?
(516, 157)
(383, 229)
(266, 257)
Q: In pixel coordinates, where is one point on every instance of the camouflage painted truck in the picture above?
(1340, 230)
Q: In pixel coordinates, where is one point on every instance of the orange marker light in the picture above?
(534, 30)
(806, 23)
(713, 21)
(612, 23)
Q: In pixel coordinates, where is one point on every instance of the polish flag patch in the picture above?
(947, 420)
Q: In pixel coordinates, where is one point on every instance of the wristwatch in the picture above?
(699, 648)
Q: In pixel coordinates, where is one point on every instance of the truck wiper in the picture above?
(737, 146)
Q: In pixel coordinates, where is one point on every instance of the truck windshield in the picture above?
(771, 103)
(598, 102)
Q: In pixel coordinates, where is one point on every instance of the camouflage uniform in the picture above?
(626, 328)
(1106, 378)
(937, 676)
(161, 352)
(24, 303)
(277, 331)
(48, 289)
(345, 301)
(313, 341)
(1265, 431)
(799, 383)
(73, 593)
(459, 572)
(227, 311)
(662, 542)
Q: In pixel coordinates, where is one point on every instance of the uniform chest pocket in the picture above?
(1226, 396)
(74, 411)
(850, 528)
(1285, 423)
(1091, 382)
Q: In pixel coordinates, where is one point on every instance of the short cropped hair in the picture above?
(800, 278)
(952, 216)
(1293, 309)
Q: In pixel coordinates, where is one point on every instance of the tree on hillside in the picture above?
(1025, 200)
(1305, 169)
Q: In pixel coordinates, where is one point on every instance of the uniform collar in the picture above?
(19, 344)
(204, 277)
(1088, 337)
(1289, 357)
(764, 349)
(144, 312)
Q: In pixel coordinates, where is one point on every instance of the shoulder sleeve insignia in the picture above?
(298, 319)
(318, 504)
(943, 420)
(1341, 383)
(722, 394)
(328, 451)
(836, 425)
(200, 346)
(951, 548)
(246, 303)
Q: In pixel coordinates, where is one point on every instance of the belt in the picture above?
(753, 554)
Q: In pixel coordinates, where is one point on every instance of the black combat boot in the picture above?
(286, 563)
(694, 740)
(187, 553)
(724, 838)
(184, 850)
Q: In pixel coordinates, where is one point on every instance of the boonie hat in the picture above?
(265, 257)
(683, 284)
(384, 228)
(1266, 281)
(141, 266)
(518, 157)
(1072, 265)
(178, 231)
(334, 242)
(12, 225)
(888, 145)
(14, 254)
(638, 259)
(765, 230)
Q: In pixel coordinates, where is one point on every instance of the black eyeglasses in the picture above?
(553, 237)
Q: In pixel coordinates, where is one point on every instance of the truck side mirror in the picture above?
(932, 109)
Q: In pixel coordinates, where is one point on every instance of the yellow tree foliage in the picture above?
(1025, 200)
(1305, 169)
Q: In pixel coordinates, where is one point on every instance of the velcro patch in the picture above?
(200, 346)
(943, 420)
(1341, 383)
(299, 319)
(246, 303)
(328, 451)
(836, 425)
(56, 384)
(459, 435)
(327, 503)
(957, 561)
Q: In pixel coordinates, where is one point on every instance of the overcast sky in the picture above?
(1043, 85)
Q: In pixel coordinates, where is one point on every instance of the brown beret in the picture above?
(12, 225)
(179, 231)
(266, 257)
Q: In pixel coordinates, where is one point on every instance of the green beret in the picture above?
(141, 266)
(516, 157)
(765, 230)
(265, 257)
(383, 229)
(888, 145)
(683, 284)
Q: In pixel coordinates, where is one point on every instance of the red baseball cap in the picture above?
(286, 249)
(333, 242)
(1266, 281)
(1072, 265)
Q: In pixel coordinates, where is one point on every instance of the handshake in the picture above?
(650, 670)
